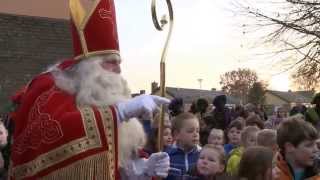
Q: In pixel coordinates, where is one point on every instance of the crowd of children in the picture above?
(250, 148)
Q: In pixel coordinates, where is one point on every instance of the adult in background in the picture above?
(250, 109)
(176, 107)
(238, 111)
(199, 108)
(298, 108)
(220, 117)
(280, 114)
(261, 112)
(313, 114)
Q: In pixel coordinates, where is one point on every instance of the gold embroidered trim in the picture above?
(93, 167)
(81, 24)
(79, 15)
(83, 43)
(86, 18)
(90, 141)
(108, 123)
(94, 53)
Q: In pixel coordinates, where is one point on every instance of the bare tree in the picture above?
(305, 83)
(292, 27)
(238, 83)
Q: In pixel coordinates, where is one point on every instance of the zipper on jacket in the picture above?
(186, 162)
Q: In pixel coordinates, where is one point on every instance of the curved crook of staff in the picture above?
(159, 27)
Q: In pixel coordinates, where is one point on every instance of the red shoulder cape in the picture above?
(53, 138)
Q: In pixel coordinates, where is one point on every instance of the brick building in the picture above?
(28, 45)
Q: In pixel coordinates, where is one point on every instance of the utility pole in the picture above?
(200, 82)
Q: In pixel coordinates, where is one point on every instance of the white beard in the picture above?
(132, 139)
(93, 85)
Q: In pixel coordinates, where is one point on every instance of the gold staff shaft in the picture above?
(159, 27)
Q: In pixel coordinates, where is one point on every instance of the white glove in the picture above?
(158, 164)
(140, 106)
(276, 173)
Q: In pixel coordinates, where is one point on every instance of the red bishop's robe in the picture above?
(55, 139)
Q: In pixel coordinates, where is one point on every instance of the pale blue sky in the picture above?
(206, 42)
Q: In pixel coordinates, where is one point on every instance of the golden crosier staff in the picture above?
(159, 27)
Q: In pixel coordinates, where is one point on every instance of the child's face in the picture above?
(251, 140)
(188, 136)
(3, 136)
(304, 154)
(167, 137)
(209, 163)
(216, 138)
(234, 135)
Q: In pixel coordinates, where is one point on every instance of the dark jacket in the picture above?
(181, 162)
(298, 109)
(313, 116)
(219, 119)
